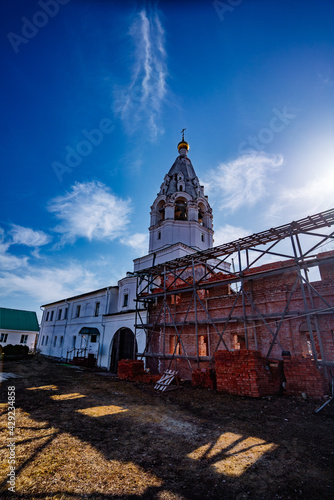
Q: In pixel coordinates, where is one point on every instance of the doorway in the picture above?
(124, 346)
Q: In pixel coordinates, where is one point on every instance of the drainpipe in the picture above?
(103, 324)
(53, 334)
(37, 344)
(68, 312)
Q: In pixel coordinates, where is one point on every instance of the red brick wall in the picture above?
(303, 377)
(246, 373)
(270, 295)
(131, 369)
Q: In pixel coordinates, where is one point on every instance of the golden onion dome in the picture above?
(183, 144)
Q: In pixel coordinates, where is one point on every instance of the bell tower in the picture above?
(181, 212)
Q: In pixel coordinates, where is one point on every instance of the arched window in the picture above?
(181, 210)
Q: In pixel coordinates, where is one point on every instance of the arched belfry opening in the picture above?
(201, 212)
(124, 346)
(181, 209)
(161, 211)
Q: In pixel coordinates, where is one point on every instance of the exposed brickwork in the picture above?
(246, 373)
(327, 268)
(269, 294)
(303, 377)
(204, 377)
(130, 369)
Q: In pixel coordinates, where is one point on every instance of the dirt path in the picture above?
(83, 435)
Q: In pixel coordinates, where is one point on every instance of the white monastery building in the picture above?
(97, 328)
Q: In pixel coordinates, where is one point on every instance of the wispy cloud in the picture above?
(28, 237)
(89, 210)
(140, 102)
(3, 245)
(48, 283)
(8, 261)
(312, 197)
(244, 181)
(138, 241)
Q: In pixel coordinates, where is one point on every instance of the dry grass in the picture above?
(83, 435)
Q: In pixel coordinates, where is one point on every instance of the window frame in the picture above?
(97, 308)
(126, 299)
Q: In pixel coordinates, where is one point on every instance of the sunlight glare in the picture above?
(65, 397)
(238, 453)
(102, 411)
(43, 388)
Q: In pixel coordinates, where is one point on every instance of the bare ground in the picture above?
(81, 435)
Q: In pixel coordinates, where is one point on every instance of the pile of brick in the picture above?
(132, 369)
(246, 373)
(205, 377)
(303, 377)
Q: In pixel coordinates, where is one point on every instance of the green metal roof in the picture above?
(14, 319)
(89, 331)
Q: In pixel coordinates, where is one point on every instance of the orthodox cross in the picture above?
(182, 132)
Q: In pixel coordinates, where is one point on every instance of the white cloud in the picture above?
(9, 262)
(3, 245)
(28, 237)
(244, 181)
(47, 284)
(228, 233)
(141, 101)
(138, 241)
(90, 211)
(312, 197)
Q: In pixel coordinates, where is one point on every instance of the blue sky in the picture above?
(94, 95)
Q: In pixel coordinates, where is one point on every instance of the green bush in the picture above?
(15, 351)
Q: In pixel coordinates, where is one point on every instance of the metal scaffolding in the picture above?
(298, 245)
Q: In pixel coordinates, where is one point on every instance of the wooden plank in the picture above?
(164, 382)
